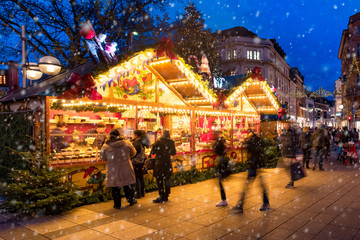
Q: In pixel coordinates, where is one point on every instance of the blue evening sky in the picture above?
(309, 31)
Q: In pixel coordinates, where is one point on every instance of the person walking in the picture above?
(120, 173)
(305, 145)
(163, 149)
(288, 143)
(222, 167)
(327, 142)
(318, 142)
(256, 160)
(139, 141)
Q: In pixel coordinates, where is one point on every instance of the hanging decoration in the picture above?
(205, 125)
(81, 86)
(166, 47)
(220, 102)
(205, 65)
(257, 74)
(196, 62)
(158, 126)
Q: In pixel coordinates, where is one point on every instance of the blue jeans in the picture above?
(319, 153)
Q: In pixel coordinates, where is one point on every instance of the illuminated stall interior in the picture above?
(151, 93)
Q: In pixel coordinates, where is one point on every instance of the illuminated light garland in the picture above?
(159, 62)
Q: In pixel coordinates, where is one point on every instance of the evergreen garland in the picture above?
(92, 108)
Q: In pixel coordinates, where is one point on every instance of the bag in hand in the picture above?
(149, 163)
(297, 171)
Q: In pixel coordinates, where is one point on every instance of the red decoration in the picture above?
(80, 86)
(89, 170)
(166, 46)
(257, 74)
(281, 113)
(220, 102)
(87, 30)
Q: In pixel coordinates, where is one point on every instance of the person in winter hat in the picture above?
(163, 149)
(120, 172)
(255, 148)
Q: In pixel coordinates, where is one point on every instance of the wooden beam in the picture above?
(167, 85)
(156, 89)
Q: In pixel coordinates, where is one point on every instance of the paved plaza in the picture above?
(324, 205)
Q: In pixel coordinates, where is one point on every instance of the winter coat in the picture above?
(163, 148)
(354, 136)
(255, 149)
(139, 159)
(318, 139)
(305, 140)
(288, 143)
(220, 146)
(58, 142)
(327, 138)
(120, 171)
(99, 138)
(345, 136)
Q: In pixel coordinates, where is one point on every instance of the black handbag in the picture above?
(297, 171)
(150, 163)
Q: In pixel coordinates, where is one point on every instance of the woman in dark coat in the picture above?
(140, 141)
(120, 173)
(163, 148)
(222, 167)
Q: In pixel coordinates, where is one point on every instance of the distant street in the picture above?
(324, 205)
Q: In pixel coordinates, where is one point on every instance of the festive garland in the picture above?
(91, 108)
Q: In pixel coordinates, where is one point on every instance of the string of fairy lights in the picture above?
(87, 105)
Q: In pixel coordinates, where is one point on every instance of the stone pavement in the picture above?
(324, 205)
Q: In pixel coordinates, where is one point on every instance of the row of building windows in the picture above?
(250, 54)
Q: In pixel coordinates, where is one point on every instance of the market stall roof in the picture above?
(46, 86)
(173, 73)
(257, 91)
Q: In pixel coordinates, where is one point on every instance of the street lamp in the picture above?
(32, 71)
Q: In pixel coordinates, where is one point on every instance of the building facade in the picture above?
(241, 50)
(349, 53)
(298, 79)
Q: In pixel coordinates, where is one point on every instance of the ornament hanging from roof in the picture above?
(166, 47)
(256, 74)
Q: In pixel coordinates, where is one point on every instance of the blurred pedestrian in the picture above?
(318, 142)
(120, 172)
(163, 149)
(327, 141)
(354, 136)
(99, 134)
(57, 137)
(139, 141)
(222, 167)
(305, 145)
(287, 141)
(256, 159)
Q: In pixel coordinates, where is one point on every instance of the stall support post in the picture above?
(136, 118)
(47, 124)
(156, 89)
(192, 128)
(232, 131)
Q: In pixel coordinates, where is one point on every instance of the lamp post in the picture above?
(33, 71)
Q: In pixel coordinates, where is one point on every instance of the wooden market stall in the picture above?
(151, 93)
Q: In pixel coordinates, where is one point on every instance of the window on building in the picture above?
(228, 56)
(358, 29)
(325, 115)
(232, 73)
(234, 53)
(249, 54)
(358, 49)
(257, 55)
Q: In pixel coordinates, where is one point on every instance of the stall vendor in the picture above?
(99, 138)
(58, 142)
